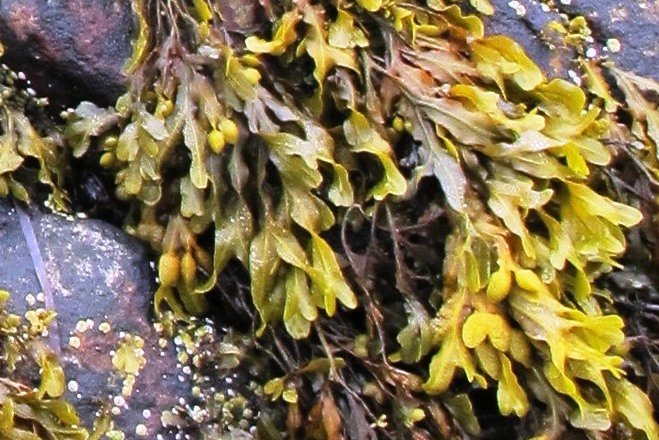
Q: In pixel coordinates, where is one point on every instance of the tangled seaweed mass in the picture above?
(420, 215)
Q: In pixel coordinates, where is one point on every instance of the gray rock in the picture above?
(634, 23)
(527, 30)
(100, 274)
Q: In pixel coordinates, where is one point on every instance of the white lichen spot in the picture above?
(74, 342)
(146, 413)
(197, 414)
(82, 326)
(30, 300)
(104, 327)
(518, 7)
(613, 44)
(73, 386)
(119, 400)
(574, 77)
(141, 430)
(591, 52)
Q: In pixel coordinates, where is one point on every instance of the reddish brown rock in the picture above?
(69, 49)
(75, 49)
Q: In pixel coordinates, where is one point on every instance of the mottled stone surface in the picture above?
(527, 30)
(240, 15)
(70, 49)
(635, 24)
(75, 49)
(100, 274)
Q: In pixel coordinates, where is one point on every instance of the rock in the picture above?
(98, 275)
(239, 15)
(73, 49)
(69, 49)
(633, 24)
(527, 30)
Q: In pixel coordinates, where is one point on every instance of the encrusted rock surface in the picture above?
(527, 30)
(70, 49)
(75, 49)
(98, 275)
(634, 24)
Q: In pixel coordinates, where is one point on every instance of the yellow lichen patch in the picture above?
(129, 355)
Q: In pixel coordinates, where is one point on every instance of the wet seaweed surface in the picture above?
(367, 220)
